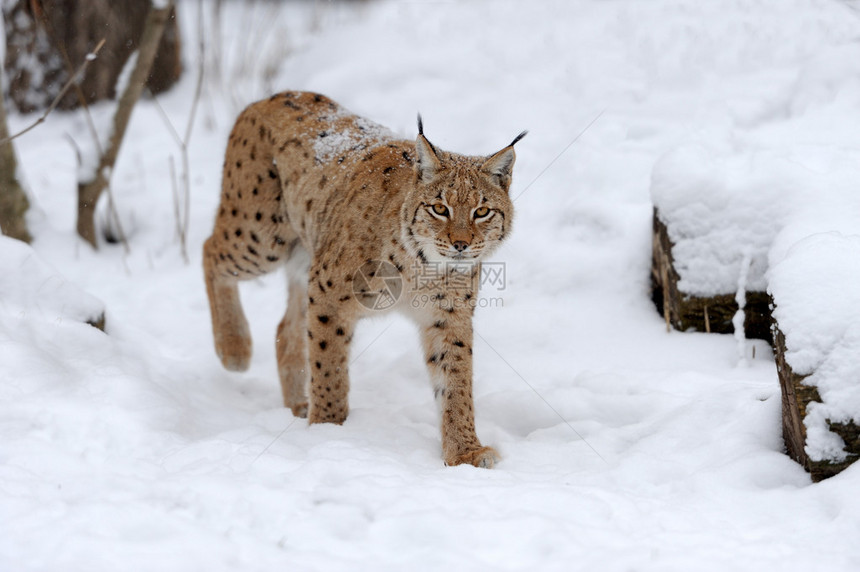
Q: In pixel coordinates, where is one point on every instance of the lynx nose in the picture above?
(460, 245)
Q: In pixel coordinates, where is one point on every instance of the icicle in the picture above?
(741, 299)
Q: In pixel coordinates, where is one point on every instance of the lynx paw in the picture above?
(234, 351)
(484, 458)
(300, 410)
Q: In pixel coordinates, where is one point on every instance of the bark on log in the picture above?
(796, 397)
(704, 314)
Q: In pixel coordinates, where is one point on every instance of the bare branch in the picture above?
(198, 88)
(72, 81)
(182, 184)
(175, 187)
(171, 128)
(89, 191)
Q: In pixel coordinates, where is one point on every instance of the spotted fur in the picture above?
(305, 179)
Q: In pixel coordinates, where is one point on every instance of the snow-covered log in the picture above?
(817, 333)
(704, 313)
(784, 219)
(797, 397)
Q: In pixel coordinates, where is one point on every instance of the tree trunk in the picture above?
(89, 191)
(47, 39)
(13, 200)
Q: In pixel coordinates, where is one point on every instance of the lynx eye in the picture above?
(440, 209)
(481, 212)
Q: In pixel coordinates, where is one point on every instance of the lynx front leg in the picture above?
(229, 325)
(292, 352)
(330, 326)
(448, 351)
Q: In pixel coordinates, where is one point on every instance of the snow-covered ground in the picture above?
(625, 447)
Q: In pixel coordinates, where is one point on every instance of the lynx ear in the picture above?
(428, 162)
(500, 165)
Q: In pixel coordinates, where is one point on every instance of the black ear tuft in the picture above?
(427, 163)
(514, 142)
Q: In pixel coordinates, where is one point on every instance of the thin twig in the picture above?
(183, 214)
(166, 118)
(198, 88)
(82, 100)
(216, 62)
(186, 192)
(72, 80)
(195, 103)
(174, 180)
(89, 191)
(175, 187)
(113, 213)
(75, 147)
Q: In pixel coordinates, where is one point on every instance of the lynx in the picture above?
(370, 215)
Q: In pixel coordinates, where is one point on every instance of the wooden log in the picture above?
(704, 314)
(796, 397)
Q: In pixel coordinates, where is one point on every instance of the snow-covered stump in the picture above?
(817, 345)
(712, 314)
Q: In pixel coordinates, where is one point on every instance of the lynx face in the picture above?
(459, 210)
